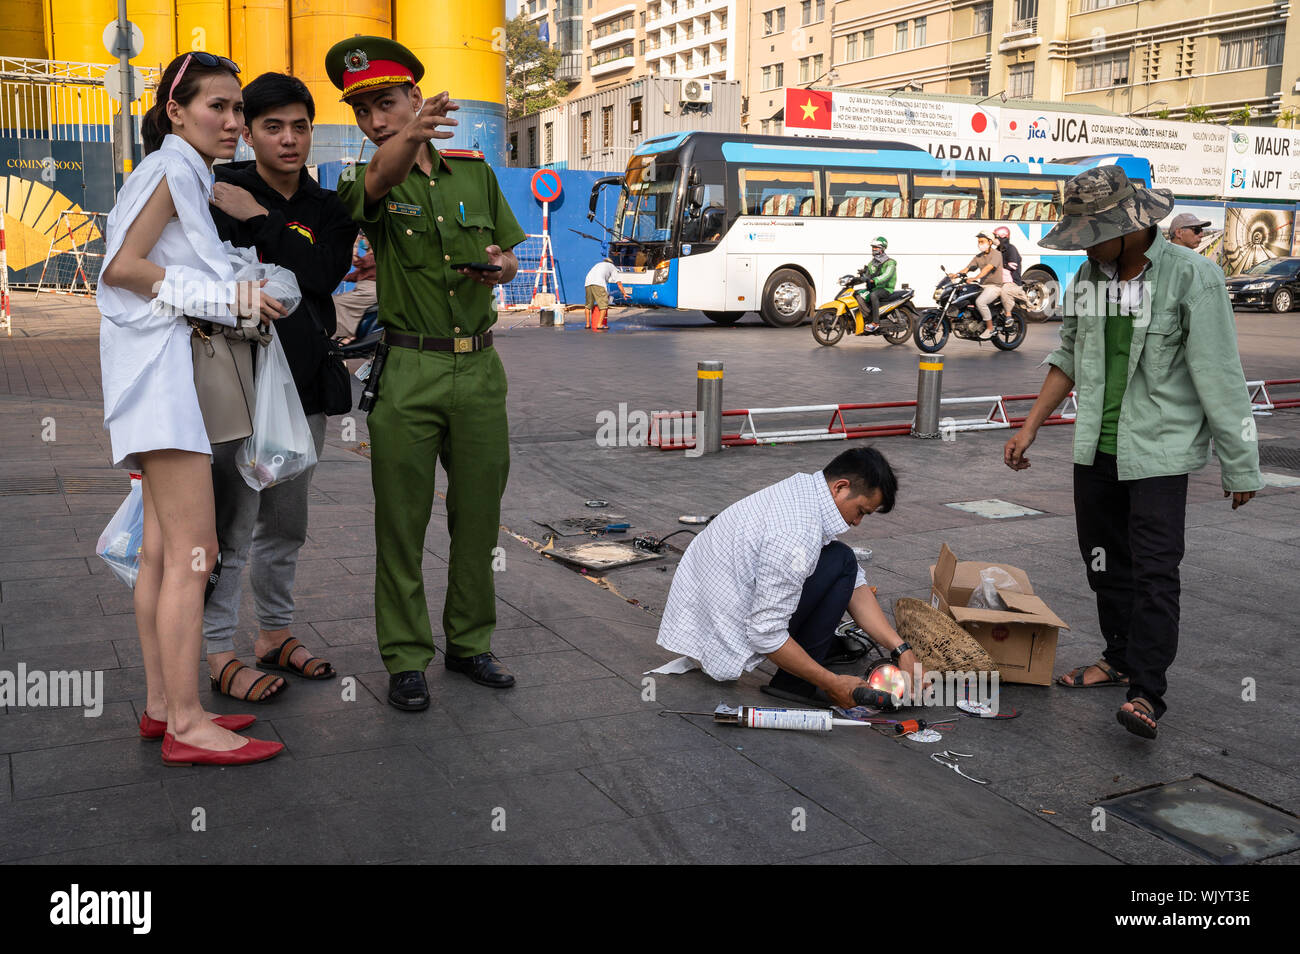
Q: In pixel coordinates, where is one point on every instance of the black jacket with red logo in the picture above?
(311, 235)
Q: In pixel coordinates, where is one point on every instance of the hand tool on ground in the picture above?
(767, 717)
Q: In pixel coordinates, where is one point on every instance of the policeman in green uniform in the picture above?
(442, 393)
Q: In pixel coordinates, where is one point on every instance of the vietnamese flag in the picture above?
(807, 109)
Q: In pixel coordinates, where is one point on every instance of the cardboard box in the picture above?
(1021, 639)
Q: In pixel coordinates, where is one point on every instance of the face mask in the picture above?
(984, 247)
(878, 257)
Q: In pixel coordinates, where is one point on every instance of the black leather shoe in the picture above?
(485, 669)
(408, 690)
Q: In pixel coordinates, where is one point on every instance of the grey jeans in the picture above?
(265, 530)
(990, 294)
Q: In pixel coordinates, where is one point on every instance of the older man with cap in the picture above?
(1185, 230)
(441, 231)
(1149, 345)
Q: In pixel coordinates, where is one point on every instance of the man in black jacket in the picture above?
(273, 205)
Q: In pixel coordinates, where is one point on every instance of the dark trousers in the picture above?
(870, 304)
(1131, 535)
(821, 607)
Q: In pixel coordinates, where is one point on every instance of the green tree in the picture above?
(1198, 114)
(531, 66)
(1163, 113)
(1240, 117)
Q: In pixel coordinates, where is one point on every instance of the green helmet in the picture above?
(881, 241)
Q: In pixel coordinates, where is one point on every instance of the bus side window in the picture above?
(863, 194)
(766, 191)
(1027, 199)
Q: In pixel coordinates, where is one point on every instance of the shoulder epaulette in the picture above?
(462, 153)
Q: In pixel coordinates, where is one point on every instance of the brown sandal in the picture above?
(1130, 719)
(313, 668)
(257, 692)
(1074, 678)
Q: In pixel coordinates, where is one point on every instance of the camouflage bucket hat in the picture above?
(1102, 204)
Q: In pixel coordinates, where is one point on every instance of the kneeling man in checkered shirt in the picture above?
(767, 578)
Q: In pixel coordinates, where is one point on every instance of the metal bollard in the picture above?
(708, 408)
(929, 390)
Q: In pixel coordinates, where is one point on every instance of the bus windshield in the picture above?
(648, 206)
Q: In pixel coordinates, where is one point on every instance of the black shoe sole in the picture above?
(481, 682)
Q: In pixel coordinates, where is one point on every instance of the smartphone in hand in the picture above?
(478, 266)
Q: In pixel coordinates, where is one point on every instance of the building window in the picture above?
(868, 43)
(634, 111)
(979, 85)
(642, 50)
(1087, 5)
(805, 12)
(1250, 48)
(1101, 72)
(1024, 13)
(773, 21)
(851, 46)
(514, 147)
(1022, 81)
(774, 76)
(586, 134)
(918, 31)
(900, 36)
(611, 54)
(548, 142)
(532, 146)
(606, 126)
(722, 20)
(983, 19)
(819, 13)
(810, 69)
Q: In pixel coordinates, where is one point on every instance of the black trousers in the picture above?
(1131, 538)
(870, 304)
(821, 606)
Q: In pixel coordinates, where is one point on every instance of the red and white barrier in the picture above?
(1262, 402)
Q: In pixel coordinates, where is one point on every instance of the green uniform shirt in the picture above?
(419, 230)
(1119, 336)
(1184, 379)
(884, 275)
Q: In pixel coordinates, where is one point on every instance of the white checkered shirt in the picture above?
(740, 580)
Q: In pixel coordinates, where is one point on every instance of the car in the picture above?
(1274, 284)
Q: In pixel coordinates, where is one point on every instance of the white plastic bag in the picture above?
(992, 579)
(120, 544)
(281, 284)
(281, 447)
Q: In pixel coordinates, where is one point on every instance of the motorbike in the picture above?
(364, 342)
(843, 315)
(958, 315)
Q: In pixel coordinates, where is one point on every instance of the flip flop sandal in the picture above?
(257, 692)
(313, 668)
(1129, 718)
(1074, 678)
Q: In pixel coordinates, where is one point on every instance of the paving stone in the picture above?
(134, 813)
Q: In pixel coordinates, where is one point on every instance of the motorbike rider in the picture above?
(988, 266)
(881, 273)
(1012, 279)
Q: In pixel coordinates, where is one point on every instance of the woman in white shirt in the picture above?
(164, 263)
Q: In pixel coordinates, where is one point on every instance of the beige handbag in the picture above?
(223, 376)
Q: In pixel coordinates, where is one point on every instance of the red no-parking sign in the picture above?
(546, 185)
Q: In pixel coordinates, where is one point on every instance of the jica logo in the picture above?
(1238, 178)
(1038, 128)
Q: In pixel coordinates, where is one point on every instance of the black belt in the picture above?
(426, 343)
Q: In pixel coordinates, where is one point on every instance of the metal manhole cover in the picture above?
(1287, 458)
(29, 485)
(117, 482)
(1213, 822)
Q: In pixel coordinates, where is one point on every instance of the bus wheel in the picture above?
(1042, 294)
(724, 317)
(786, 299)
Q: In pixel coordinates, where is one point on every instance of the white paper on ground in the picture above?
(675, 668)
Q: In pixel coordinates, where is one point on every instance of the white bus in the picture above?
(728, 224)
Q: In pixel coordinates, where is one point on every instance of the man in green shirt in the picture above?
(1149, 344)
(881, 272)
(431, 216)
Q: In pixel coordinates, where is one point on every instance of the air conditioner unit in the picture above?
(697, 91)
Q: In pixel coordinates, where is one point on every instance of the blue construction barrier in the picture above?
(574, 253)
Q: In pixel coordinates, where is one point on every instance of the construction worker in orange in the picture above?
(597, 282)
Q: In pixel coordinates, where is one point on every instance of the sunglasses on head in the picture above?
(204, 59)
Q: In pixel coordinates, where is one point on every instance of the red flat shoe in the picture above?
(156, 728)
(254, 750)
